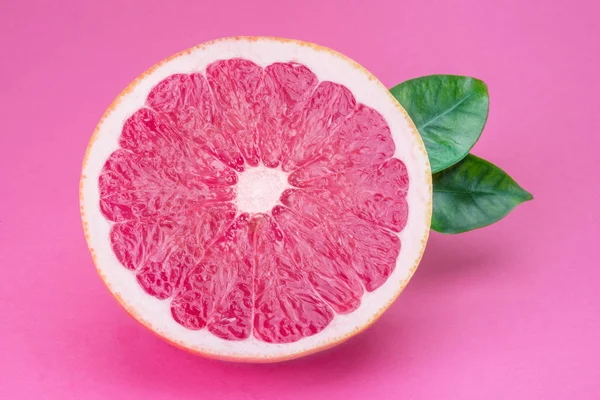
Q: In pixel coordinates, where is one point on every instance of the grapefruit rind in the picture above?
(327, 64)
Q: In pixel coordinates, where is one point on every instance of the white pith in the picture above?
(259, 189)
(327, 65)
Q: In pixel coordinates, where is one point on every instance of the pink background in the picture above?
(508, 312)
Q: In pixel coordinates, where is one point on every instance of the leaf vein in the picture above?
(426, 124)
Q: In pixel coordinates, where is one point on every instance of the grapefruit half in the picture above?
(256, 199)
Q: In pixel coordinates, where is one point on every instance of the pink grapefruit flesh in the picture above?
(259, 204)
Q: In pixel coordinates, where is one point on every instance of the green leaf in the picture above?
(472, 194)
(449, 111)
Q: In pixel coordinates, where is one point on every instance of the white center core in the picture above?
(259, 188)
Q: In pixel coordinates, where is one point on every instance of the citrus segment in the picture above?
(160, 276)
(158, 141)
(327, 268)
(320, 117)
(237, 88)
(362, 140)
(217, 293)
(162, 248)
(364, 248)
(184, 99)
(287, 308)
(376, 194)
(187, 101)
(287, 86)
(133, 186)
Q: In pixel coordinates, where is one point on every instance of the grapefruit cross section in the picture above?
(256, 198)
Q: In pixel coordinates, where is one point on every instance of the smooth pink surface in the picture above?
(508, 312)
